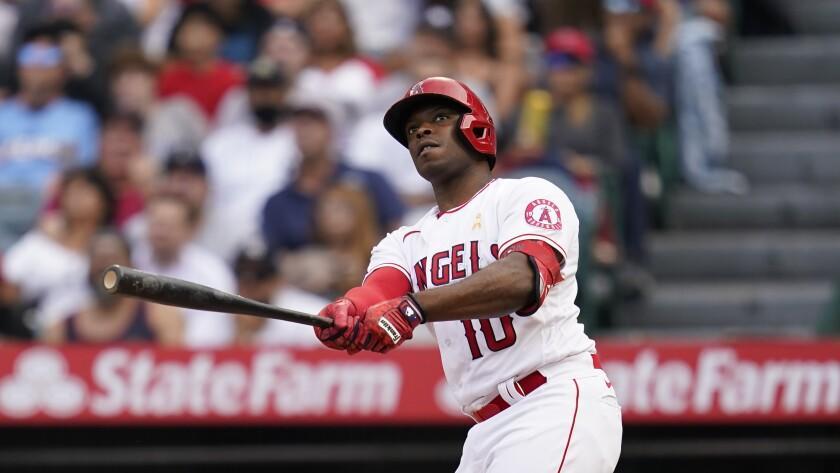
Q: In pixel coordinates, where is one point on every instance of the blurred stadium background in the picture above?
(239, 144)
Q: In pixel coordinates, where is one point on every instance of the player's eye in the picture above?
(412, 130)
(441, 117)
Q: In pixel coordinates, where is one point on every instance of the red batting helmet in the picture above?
(476, 123)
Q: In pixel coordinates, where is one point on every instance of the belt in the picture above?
(524, 386)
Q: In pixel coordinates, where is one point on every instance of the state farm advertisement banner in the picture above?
(720, 382)
(143, 385)
(657, 382)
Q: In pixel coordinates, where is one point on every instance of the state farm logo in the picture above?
(40, 382)
(721, 381)
(543, 213)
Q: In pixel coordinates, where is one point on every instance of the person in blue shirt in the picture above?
(288, 215)
(41, 131)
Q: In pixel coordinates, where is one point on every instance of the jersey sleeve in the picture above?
(535, 209)
(390, 253)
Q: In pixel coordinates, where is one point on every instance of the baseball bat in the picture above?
(166, 290)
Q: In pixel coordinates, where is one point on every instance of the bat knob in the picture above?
(111, 278)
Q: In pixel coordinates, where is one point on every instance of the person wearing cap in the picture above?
(247, 162)
(590, 131)
(287, 218)
(43, 131)
(184, 175)
(258, 278)
(197, 71)
(286, 45)
(585, 132)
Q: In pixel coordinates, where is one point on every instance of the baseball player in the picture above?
(491, 270)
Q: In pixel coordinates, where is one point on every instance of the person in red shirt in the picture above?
(196, 70)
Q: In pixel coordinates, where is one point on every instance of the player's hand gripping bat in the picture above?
(177, 292)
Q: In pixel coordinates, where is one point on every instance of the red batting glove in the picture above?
(346, 324)
(388, 324)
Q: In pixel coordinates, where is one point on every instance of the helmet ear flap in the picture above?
(479, 133)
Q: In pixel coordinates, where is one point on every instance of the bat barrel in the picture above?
(111, 279)
(172, 291)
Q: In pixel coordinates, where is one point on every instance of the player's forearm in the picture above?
(502, 287)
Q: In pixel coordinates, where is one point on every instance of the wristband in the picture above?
(412, 311)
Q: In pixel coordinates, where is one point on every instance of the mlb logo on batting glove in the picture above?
(390, 323)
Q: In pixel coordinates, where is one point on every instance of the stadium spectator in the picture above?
(637, 72)
(125, 164)
(479, 63)
(344, 229)
(247, 162)
(285, 45)
(244, 23)
(701, 115)
(335, 70)
(108, 318)
(184, 175)
(258, 278)
(639, 37)
(549, 15)
(156, 19)
(105, 25)
(47, 268)
(42, 131)
(171, 124)
(88, 31)
(381, 27)
(168, 250)
(196, 70)
(287, 219)
(569, 125)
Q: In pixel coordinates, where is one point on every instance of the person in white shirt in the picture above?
(47, 267)
(258, 278)
(248, 162)
(169, 250)
(335, 70)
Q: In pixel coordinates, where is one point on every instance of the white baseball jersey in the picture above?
(445, 247)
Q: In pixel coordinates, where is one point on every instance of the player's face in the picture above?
(433, 142)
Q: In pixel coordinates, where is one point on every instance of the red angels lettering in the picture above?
(543, 213)
(494, 250)
(458, 269)
(440, 272)
(473, 257)
(420, 274)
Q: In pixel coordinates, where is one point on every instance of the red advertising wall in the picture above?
(657, 382)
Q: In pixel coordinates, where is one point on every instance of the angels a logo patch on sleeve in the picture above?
(543, 213)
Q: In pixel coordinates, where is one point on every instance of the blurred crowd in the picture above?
(239, 144)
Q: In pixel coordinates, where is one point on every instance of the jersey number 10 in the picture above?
(494, 344)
